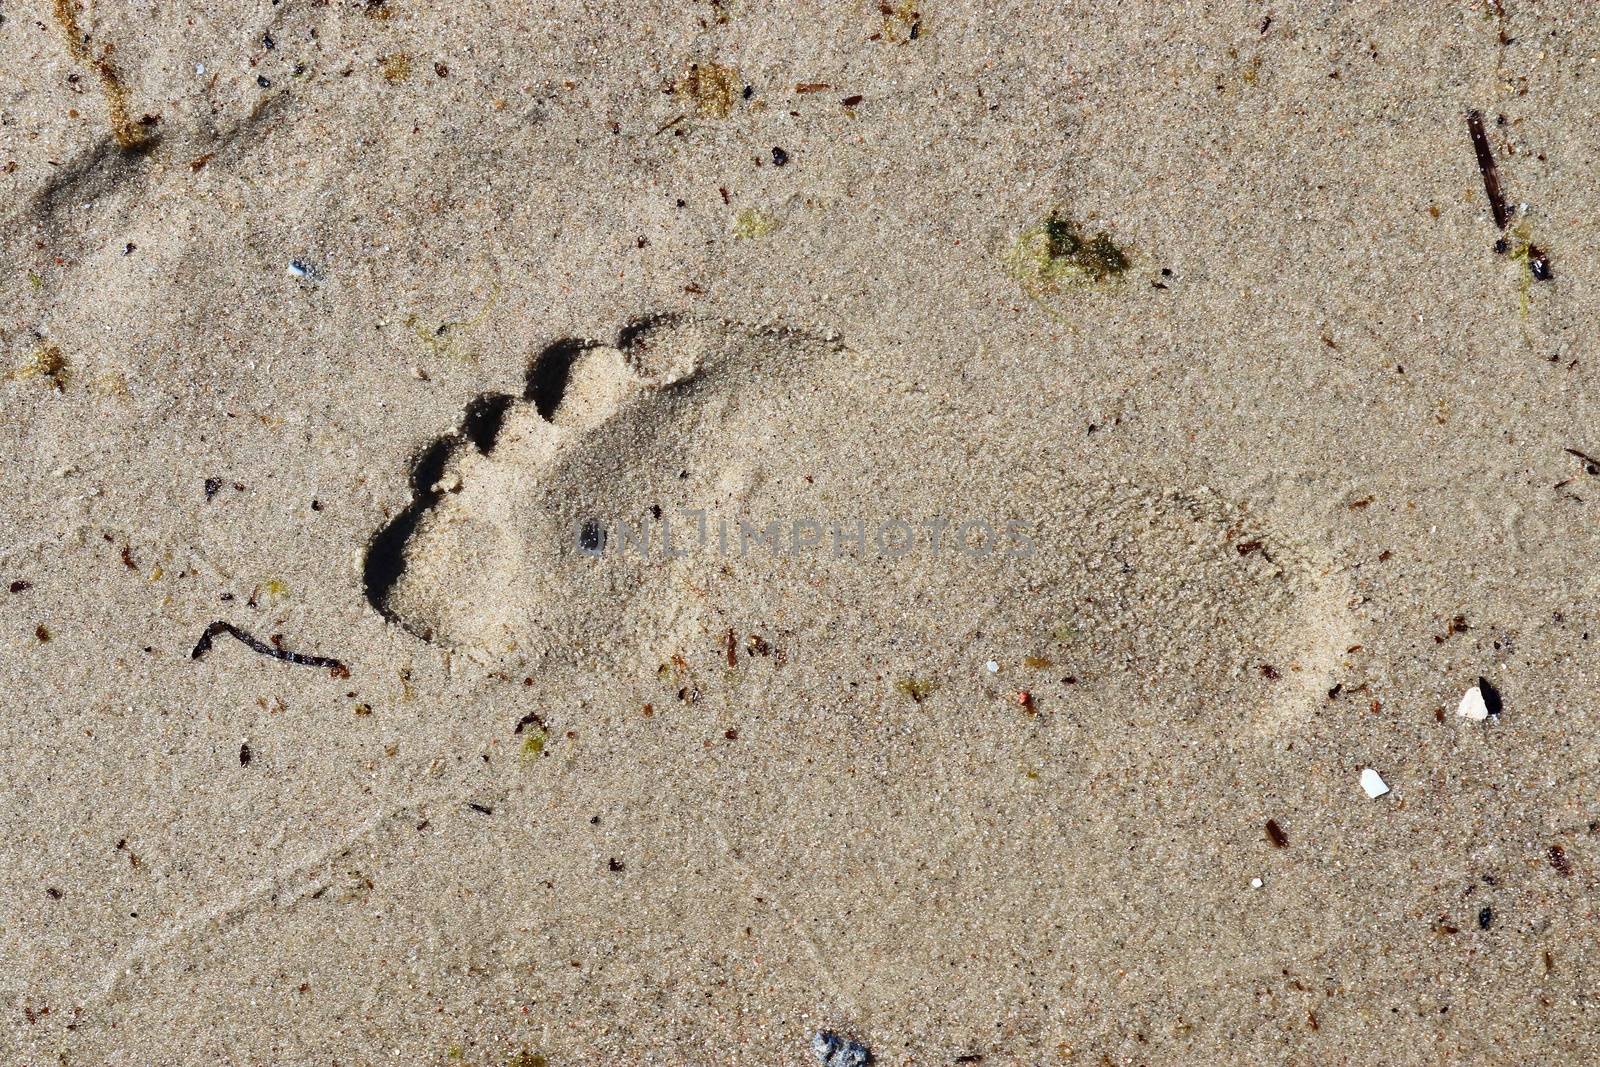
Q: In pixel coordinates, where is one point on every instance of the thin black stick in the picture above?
(1486, 167)
(1590, 464)
(339, 670)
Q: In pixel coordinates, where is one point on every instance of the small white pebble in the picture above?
(992, 667)
(199, 68)
(1372, 783)
(1255, 883)
(1473, 706)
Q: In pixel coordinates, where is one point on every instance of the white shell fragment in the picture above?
(993, 667)
(1256, 883)
(1473, 706)
(1372, 783)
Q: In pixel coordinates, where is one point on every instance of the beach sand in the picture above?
(1092, 436)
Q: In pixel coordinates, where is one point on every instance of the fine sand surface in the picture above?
(1090, 436)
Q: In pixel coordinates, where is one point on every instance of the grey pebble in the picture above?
(832, 1050)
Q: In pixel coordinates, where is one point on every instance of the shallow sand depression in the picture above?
(622, 513)
(1094, 442)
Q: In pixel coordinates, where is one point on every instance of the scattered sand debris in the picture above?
(902, 21)
(1526, 252)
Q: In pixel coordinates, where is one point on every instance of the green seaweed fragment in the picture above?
(441, 339)
(1053, 256)
(714, 88)
(751, 223)
(918, 689)
(47, 363)
(533, 745)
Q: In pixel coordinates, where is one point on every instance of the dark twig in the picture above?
(1590, 464)
(1486, 167)
(338, 670)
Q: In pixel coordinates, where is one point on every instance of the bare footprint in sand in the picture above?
(724, 517)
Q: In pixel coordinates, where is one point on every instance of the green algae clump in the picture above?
(1053, 256)
(752, 223)
(918, 689)
(712, 87)
(47, 362)
(533, 745)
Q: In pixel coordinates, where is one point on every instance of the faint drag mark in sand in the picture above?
(1151, 621)
(290, 884)
(830, 981)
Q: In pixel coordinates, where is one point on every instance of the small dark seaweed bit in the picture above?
(1276, 835)
(1485, 917)
(338, 669)
(213, 487)
(1539, 264)
(1558, 860)
(1486, 167)
(1059, 237)
(481, 809)
(530, 719)
(20, 586)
